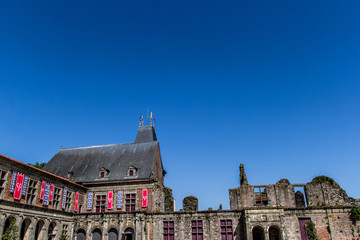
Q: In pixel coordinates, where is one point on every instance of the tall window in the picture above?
(2, 180)
(226, 229)
(68, 201)
(197, 230)
(130, 202)
(56, 198)
(260, 196)
(31, 192)
(168, 230)
(100, 203)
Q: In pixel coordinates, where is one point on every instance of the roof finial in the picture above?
(141, 121)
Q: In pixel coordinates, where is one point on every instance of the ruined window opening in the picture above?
(197, 230)
(31, 192)
(261, 198)
(56, 198)
(2, 180)
(226, 229)
(68, 200)
(130, 202)
(300, 196)
(100, 203)
(169, 230)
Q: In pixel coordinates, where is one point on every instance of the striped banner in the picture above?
(90, 201)
(46, 194)
(64, 198)
(119, 199)
(24, 187)
(13, 180)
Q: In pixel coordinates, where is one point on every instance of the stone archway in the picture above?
(113, 234)
(10, 225)
(51, 231)
(39, 229)
(96, 234)
(258, 233)
(129, 234)
(81, 234)
(274, 233)
(24, 231)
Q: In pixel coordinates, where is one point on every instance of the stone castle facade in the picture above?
(117, 192)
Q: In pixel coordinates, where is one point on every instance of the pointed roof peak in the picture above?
(146, 134)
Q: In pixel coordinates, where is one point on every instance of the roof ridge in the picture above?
(106, 145)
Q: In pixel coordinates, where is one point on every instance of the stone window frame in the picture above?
(197, 229)
(226, 229)
(56, 198)
(3, 181)
(103, 173)
(130, 206)
(168, 230)
(132, 172)
(68, 201)
(31, 191)
(100, 198)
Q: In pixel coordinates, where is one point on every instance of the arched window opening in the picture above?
(113, 234)
(24, 233)
(258, 233)
(10, 225)
(38, 229)
(274, 233)
(96, 235)
(51, 231)
(129, 234)
(81, 234)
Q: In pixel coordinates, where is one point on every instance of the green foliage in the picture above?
(63, 235)
(310, 230)
(323, 179)
(355, 213)
(38, 165)
(11, 232)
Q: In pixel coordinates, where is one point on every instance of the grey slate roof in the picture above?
(85, 162)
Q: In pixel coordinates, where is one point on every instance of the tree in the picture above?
(38, 165)
(310, 229)
(63, 235)
(12, 232)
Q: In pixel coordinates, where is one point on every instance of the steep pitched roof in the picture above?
(86, 162)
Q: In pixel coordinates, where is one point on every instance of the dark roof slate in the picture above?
(145, 134)
(85, 162)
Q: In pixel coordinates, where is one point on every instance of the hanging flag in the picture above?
(119, 199)
(90, 201)
(24, 187)
(51, 192)
(110, 199)
(42, 190)
(46, 194)
(18, 186)
(13, 181)
(76, 202)
(64, 198)
(144, 197)
(151, 115)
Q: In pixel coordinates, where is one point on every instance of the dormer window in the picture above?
(103, 173)
(132, 172)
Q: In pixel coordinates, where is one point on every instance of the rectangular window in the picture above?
(2, 180)
(31, 192)
(56, 198)
(168, 230)
(260, 196)
(197, 230)
(100, 203)
(130, 202)
(68, 201)
(226, 229)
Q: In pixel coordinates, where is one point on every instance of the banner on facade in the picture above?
(51, 192)
(90, 201)
(42, 190)
(24, 186)
(76, 202)
(119, 199)
(110, 199)
(144, 197)
(46, 194)
(13, 181)
(18, 186)
(64, 198)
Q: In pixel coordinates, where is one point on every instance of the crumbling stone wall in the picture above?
(190, 203)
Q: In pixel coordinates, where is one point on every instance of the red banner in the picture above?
(42, 190)
(51, 192)
(144, 197)
(18, 186)
(110, 199)
(76, 202)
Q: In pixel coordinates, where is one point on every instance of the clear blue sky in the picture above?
(271, 84)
